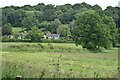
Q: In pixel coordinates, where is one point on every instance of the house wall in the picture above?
(53, 37)
(56, 38)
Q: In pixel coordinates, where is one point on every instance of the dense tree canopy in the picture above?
(55, 18)
(114, 12)
(94, 30)
(29, 22)
(97, 7)
(12, 16)
(65, 13)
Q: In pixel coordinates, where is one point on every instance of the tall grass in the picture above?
(41, 48)
(11, 70)
(43, 63)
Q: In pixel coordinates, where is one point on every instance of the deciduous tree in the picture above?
(7, 29)
(94, 30)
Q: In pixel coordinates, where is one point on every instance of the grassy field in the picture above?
(16, 30)
(53, 60)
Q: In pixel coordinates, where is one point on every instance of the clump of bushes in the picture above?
(4, 39)
(56, 41)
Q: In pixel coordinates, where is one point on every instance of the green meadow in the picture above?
(57, 60)
(16, 30)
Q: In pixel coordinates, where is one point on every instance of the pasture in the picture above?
(16, 30)
(57, 60)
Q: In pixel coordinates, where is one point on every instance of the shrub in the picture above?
(56, 41)
(4, 39)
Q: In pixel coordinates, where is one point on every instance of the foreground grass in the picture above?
(57, 60)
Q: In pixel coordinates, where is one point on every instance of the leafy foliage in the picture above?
(64, 31)
(7, 29)
(54, 25)
(29, 22)
(93, 30)
(53, 19)
(35, 34)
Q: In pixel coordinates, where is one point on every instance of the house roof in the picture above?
(52, 35)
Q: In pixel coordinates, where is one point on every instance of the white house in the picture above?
(52, 36)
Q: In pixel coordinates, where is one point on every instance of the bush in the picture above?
(4, 39)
